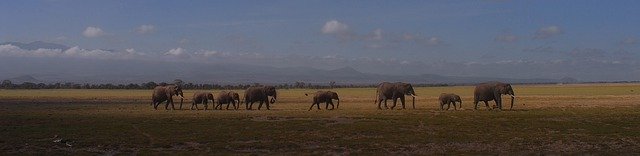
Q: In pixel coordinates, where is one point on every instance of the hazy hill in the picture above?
(37, 45)
(41, 69)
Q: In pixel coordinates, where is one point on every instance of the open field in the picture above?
(547, 119)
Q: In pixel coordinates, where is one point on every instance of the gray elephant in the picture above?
(326, 97)
(448, 99)
(490, 91)
(394, 91)
(259, 94)
(228, 97)
(202, 98)
(166, 93)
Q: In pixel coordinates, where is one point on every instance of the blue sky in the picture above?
(388, 37)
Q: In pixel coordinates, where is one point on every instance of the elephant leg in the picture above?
(454, 106)
(441, 105)
(379, 103)
(395, 100)
(155, 105)
(197, 107)
(250, 106)
(332, 106)
(260, 106)
(166, 106)
(206, 106)
(228, 105)
(402, 101)
(267, 103)
(475, 102)
(173, 107)
(487, 105)
(448, 105)
(234, 105)
(326, 105)
(311, 106)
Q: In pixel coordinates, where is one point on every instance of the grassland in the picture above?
(547, 119)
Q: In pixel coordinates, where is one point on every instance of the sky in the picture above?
(588, 40)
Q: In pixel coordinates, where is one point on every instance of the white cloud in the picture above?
(210, 53)
(145, 29)
(176, 52)
(547, 32)
(434, 41)
(93, 32)
(334, 27)
(507, 38)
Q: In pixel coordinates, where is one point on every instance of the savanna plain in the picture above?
(546, 119)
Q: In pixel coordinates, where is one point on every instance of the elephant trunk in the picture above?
(460, 104)
(338, 104)
(275, 96)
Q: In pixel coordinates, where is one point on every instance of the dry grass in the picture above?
(574, 119)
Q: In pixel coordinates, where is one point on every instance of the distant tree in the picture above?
(178, 82)
(6, 84)
(332, 84)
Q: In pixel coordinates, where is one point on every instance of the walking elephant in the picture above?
(259, 94)
(229, 98)
(166, 93)
(448, 99)
(387, 90)
(491, 91)
(203, 98)
(326, 97)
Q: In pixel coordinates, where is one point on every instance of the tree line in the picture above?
(7, 84)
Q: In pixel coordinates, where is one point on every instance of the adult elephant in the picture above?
(490, 91)
(326, 97)
(387, 90)
(229, 98)
(166, 93)
(259, 94)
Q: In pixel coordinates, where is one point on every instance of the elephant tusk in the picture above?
(513, 96)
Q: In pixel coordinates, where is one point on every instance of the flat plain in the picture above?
(546, 119)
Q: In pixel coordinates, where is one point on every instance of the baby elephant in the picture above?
(447, 99)
(203, 98)
(228, 98)
(326, 97)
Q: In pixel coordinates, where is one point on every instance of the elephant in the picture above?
(202, 97)
(490, 91)
(166, 93)
(387, 90)
(259, 94)
(326, 97)
(228, 97)
(447, 99)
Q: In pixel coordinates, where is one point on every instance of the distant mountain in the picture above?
(130, 71)
(23, 79)
(37, 45)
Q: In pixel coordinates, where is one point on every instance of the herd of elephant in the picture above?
(485, 92)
